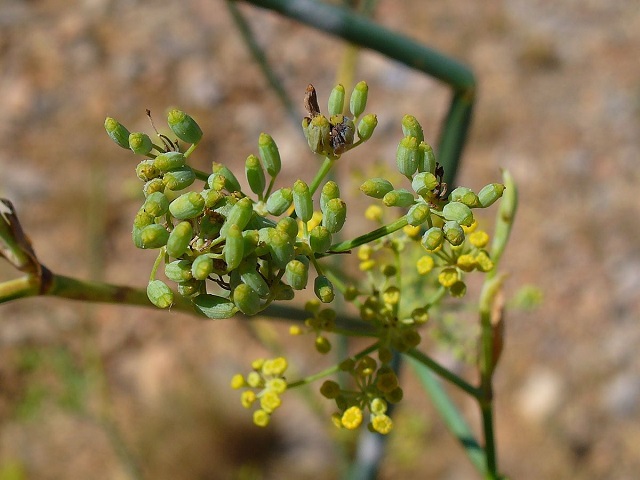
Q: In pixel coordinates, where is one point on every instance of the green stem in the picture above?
(322, 172)
(369, 237)
(448, 375)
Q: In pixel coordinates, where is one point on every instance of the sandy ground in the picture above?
(559, 106)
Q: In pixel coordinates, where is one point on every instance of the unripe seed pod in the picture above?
(147, 171)
(179, 239)
(412, 128)
(376, 187)
(231, 182)
(159, 294)
(424, 182)
(336, 100)
(233, 248)
(453, 232)
(188, 205)
(265, 235)
(398, 198)
(169, 161)
(317, 133)
(214, 306)
(323, 345)
(366, 126)
(418, 214)
(279, 201)
(466, 196)
(250, 275)
(297, 273)
(178, 271)
(135, 236)
(140, 143)
(202, 267)
(211, 197)
(288, 226)
(302, 200)
(282, 291)
(335, 215)
(281, 247)
(246, 299)
(154, 236)
(358, 100)
(183, 126)
(320, 239)
(239, 215)
(329, 191)
(323, 289)
(117, 132)
(432, 238)
(459, 212)
(156, 204)
(250, 239)
(179, 178)
(426, 159)
(489, 194)
(142, 219)
(191, 287)
(269, 154)
(407, 156)
(255, 175)
(152, 186)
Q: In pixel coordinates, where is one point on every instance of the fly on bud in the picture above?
(269, 154)
(184, 127)
(358, 101)
(117, 132)
(341, 133)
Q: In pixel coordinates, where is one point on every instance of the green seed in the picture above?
(320, 239)
(146, 171)
(184, 126)
(424, 182)
(202, 267)
(234, 248)
(412, 128)
(302, 201)
(489, 194)
(432, 238)
(188, 205)
(323, 289)
(453, 232)
(239, 215)
(213, 306)
(336, 100)
(231, 182)
(366, 126)
(466, 196)
(179, 239)
(269, 154)
(376, 187)
(418, 214)
(117, 132)
(255, 175)
(407, 156)
(297, 273)
(160, 294)
(140, 143)
(246, 299)
(358, 100)
(169, 161)
(459, 212)
(153, 236)
(398, 198)
(178, 271)
(156, 204)
(279, 201)
(334, 215)
(426, 159)
(179, 178)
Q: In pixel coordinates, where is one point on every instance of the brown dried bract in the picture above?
(311, 101)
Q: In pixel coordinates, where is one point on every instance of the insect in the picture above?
(341, 137)
(440, 191)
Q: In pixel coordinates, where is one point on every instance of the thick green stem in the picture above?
(448, 375)
(369, 237)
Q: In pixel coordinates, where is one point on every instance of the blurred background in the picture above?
(103, 392)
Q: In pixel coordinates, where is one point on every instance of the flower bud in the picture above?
(140, 143)
(183, 126)
(297, 272)
(169, 161)
(211, 197)
(250, 275)
(432, 239)
(213, 306)
(246, 299)
(231, 182)
(233, 248)
(281, 247)
(159, 294)
(117, 132)
(464, 195)
(188, 205)
(418, 214)
(358, 100)
(489, 194)
(152, 186)
(323, 289)
(251, 239)
(302, 201)
(288, 226)
(156, 204)
(320, 239)
(146, 171)
(317, 134)
(143, 218)
(407, 156)
(269, 154)
(336, 100)
(453, 232)
(412, 128)
(423, 182)
(398, 198)
(178, 271)
(329, 191)
(191, 287)
(426, 158)
(255, 175)
(239, 215)
(459, 212)
(179, 239)
(153, 236)
(202, 267)
(279, 201)
(366, 126)
(334, 215)
(179, 178)
(376, 187)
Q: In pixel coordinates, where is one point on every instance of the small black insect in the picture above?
(339, 137)
(440, 191)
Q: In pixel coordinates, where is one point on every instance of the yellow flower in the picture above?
(237, 381)
(479, 239)
(270, 401)
(373, 212)
(382, 424)
(261, 418)
(466, 262)
(247, 398)
(448, 276)
(391, 295)
(351, 418)
(425, 264)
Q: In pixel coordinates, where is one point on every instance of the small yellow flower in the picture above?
(448, 276)
(364, 252)
(378, 406)
(485, 264)
(261, 418)
(351, 418)
(275, 366)
(466, 262)
(254, 379)
(471, 228)
(237, 381)
(316, 220)
(425, 264)
(295, 330)
(412, 232)
(257, 364)
(337, 420)
(382, 424)
(373, 212)
(247, 398)
(391, 295)
(367, 265)
(270, 401)
(479, 239)
(278, 385)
